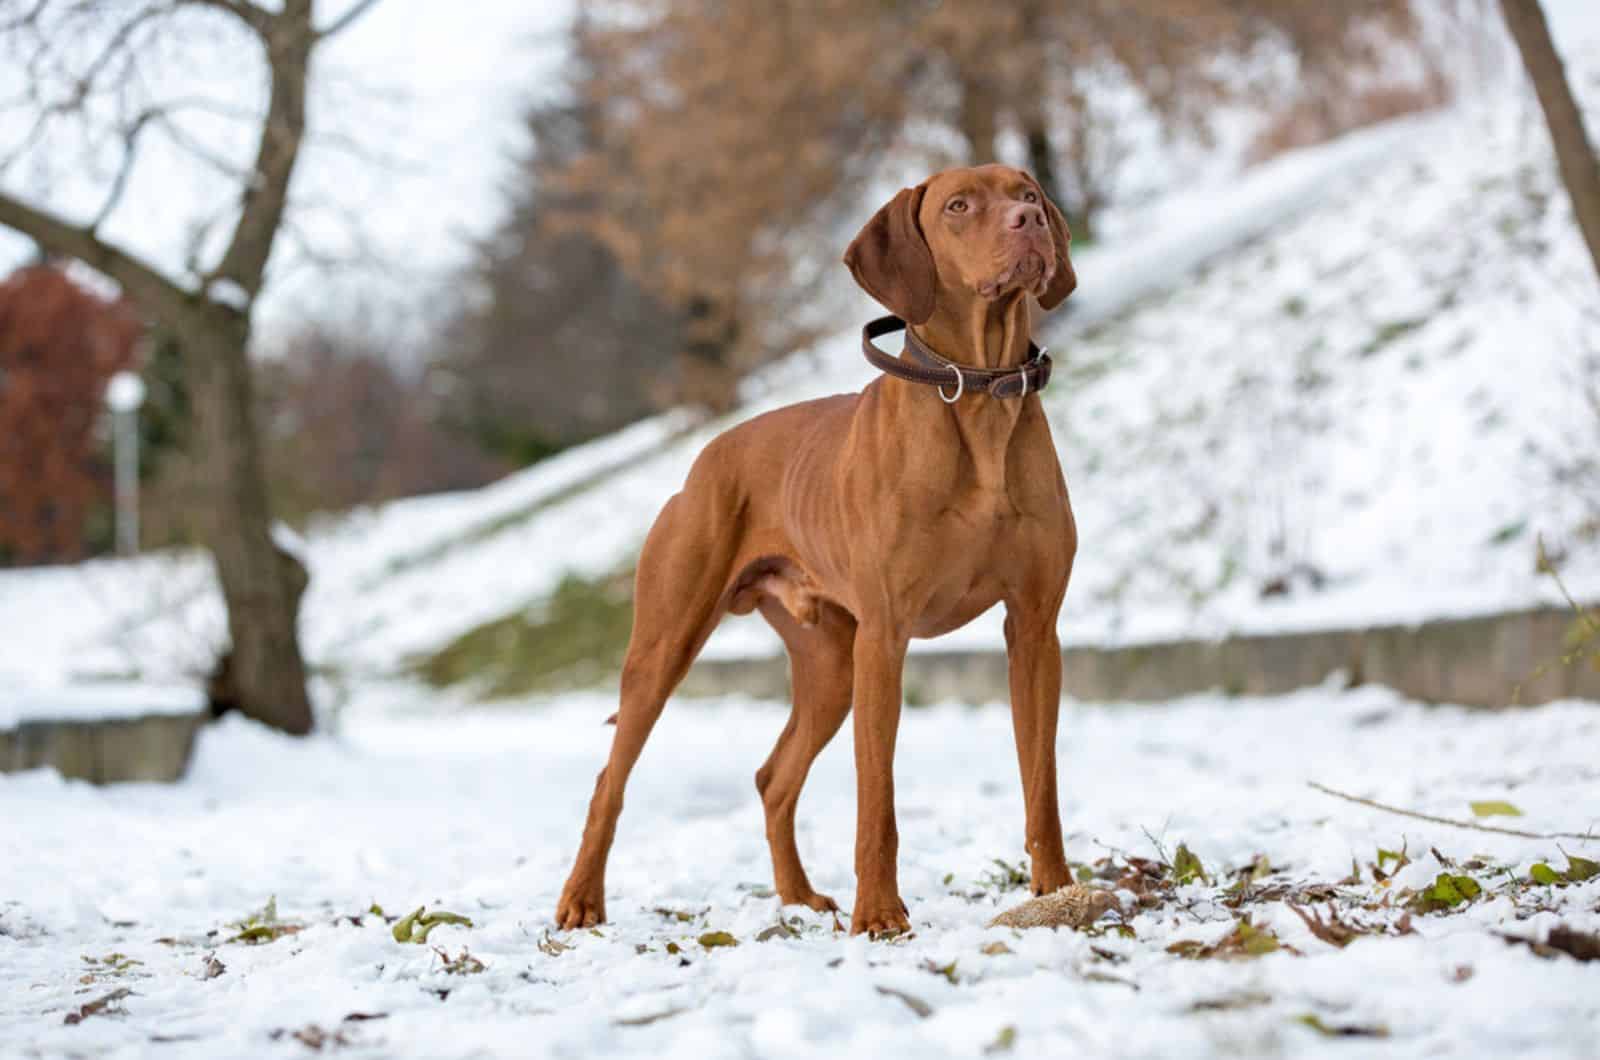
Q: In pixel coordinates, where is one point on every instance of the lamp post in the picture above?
(124, 395)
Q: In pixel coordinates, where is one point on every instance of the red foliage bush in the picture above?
(59, 345)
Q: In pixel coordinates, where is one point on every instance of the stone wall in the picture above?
(155, 747)
(1472, 661)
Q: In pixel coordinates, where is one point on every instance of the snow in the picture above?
(478, 811)
(96, 701)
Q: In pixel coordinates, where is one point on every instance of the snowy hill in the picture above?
(1352, 403)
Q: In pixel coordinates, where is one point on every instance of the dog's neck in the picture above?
(979, 332)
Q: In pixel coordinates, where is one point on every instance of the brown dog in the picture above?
(856, 522)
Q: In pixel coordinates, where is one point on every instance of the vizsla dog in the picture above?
(854, 523)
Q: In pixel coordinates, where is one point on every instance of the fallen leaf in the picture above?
(1494, 808)
(1245, 940)
(418, 925)
(1003, 1042)
(712, 939)
(780, 930)
(462, 964)
(554, 947)
(1312, 1020)
(946, 970)
(1446, 892)
(917, 1005)
(995, 949)
(104, 1005)
(1578, 945)
(654, 1017)
(1333, 931)
(1542, 873)
(1186, 867)
(212, 967)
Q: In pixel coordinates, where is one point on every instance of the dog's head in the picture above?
(984, 229)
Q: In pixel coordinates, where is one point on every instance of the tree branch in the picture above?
(140, 280)
(343, 22)
(266, 193)
(258, 19)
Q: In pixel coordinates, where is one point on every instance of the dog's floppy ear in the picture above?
(1064, 280)
(890, 258)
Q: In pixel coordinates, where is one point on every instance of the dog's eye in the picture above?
(956, 206)
(1030, 196)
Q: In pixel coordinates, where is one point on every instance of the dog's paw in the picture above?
(580, 911)
(880, 920)
(820, 903)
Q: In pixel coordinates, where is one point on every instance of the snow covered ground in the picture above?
(477, 811)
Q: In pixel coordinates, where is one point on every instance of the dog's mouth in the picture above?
(1027, 271)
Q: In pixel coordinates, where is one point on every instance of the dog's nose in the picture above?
(1025, 215)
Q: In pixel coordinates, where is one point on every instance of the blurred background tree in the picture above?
(91, 74)
(1580, 170)
(59, 345)
(705, 159)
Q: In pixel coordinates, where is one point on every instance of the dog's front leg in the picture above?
(879, 660)
(1033, 653)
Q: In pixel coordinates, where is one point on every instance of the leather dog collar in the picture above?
(934, 370)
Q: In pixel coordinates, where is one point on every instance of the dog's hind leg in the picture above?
(821, 675)
(679, 595)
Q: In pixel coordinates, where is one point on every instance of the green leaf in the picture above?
(1580, 869)
(1186, 867)
(1446, 892)
(402, 927)
(1003, 1042)
(1397, 856)
(1254, 941)
(1494, 808)
(712, 939)
(418, 925)
(1544, 874)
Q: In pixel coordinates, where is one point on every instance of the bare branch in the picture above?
(258, 19)
(27, 18)
(57, 236)
(343, 22)
(266, 192)
(1452, 822)
(130, 157)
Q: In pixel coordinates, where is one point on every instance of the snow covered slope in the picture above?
(1355, 397)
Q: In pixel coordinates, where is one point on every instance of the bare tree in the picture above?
(1580, 170)
(100, 51)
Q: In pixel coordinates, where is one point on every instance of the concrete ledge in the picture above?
(154, 747)
(1475, 662)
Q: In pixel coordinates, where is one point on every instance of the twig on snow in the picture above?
(1590, 835)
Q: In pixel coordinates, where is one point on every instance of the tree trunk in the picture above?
(261, 583)
(1579, 169)
(1042, 156)
(977, 118)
